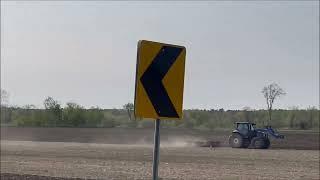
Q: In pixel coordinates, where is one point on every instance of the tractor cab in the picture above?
(246, 129)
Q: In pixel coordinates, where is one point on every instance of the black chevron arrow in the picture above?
(152, 81)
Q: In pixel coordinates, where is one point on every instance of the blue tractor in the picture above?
(246, 135)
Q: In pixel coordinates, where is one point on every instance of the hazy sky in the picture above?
(85, 52)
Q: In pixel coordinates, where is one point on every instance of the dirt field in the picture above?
(127, 154)
(304, 140)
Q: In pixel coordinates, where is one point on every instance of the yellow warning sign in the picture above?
(159, 80)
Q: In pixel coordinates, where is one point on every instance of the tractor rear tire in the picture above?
(259, 143)
(236, 140)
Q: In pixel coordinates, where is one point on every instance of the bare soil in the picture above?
(120, 161)
(85, 153)
(10, 176)
(303, 140)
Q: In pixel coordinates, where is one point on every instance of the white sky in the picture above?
(85, 52)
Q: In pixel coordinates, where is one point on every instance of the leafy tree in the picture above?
(312, 113)
(74, 115)
(270, 93)
(94, 117)
(247, 113)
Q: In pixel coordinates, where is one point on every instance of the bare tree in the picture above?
(50, 103)
(4, 98)
(271, 92)
(129, 108)
(54, 108)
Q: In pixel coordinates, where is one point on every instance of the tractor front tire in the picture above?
(236, 140)
(260, 143)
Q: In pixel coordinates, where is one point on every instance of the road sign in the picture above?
(159, 80)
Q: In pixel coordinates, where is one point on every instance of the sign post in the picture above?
(159, 86)
(156, 150)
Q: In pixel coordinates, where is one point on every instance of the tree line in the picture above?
(75, 115)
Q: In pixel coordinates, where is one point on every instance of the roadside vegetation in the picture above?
(55, 114)
(74, 115)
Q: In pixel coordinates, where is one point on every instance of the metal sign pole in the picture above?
(156, 150)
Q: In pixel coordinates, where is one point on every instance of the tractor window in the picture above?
(243, 128)
(251, 127)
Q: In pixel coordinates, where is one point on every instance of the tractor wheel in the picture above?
(236, 141)
(266, 143)
(258, 143)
